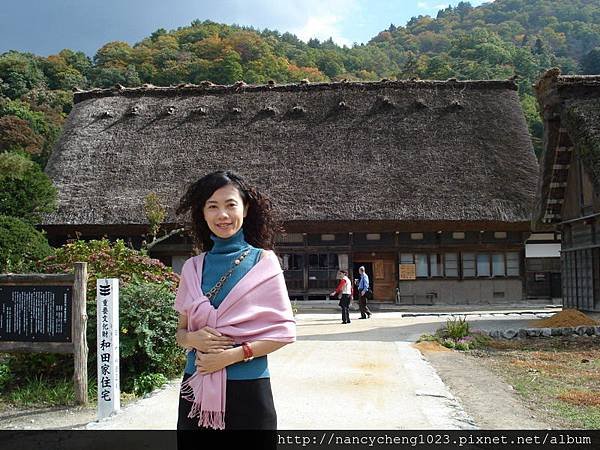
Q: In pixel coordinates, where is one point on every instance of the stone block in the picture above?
(533, 332)
(509, 334)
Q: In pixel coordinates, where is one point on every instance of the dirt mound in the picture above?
(430, 346)
(565, 318)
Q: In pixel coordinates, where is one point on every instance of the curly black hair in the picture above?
(260, 225)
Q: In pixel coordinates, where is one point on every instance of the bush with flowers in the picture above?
(147, 320)
(457, 334)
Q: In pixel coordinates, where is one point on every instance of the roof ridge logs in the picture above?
(207, 87)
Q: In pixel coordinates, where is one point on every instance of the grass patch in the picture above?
(39, 391)
(559, 376)
(587, 417)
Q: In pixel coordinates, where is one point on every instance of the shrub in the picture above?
(448, 343)
(457, 327)
(456, 334)
(427, 338)
(109, 260)
(461, 346)
(479, 339)
(148, 382)
(4, 374)
(148, 324)
(21, 245)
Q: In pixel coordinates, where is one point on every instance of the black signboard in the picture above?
(35, 313)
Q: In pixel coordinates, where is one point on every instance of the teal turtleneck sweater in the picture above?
(216, 262)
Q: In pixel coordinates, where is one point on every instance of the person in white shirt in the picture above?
(344, 287)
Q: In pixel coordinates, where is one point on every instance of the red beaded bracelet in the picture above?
(248, 354)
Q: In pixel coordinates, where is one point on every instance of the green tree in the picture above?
(25, 191)
(106, 77)
(20, 72)
(21, 246)
(131, 76)
(330, 63)
(22, 110)
(534, 122)
(439, 68)
(77, 60)
(590, 64)
(46, 122)
(155, 213)
(56, 100)
(228, 70)
(411, 67)
(114, 54)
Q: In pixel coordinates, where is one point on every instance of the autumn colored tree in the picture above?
(16, 134)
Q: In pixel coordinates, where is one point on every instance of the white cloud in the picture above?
(323, 20)
(322, 27)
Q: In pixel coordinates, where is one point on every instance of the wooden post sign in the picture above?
(47, 313)
(109, 391)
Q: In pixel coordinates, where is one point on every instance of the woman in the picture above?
(233, 307)
(344, 287)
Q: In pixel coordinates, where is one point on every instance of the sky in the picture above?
(45, 27)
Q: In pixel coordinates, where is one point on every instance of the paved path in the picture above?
(364, 375)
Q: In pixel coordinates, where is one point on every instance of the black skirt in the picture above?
(248, 406)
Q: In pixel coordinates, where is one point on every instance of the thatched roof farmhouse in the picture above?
(423, 157)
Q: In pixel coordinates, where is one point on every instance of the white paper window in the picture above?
(512, 264)
(436, 265)
(451, 264)
(500, 234)
(483, 265)
(416, 236)
(373, 237)
(498, 269)
(468, 263)
(458, 235)
(421, 261)
(328, 237)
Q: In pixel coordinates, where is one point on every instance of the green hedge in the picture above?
(21, 246)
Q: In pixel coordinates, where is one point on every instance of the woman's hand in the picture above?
(211, 362)
(208, 340)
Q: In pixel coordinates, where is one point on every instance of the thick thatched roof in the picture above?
(411, 151)
(570, 108)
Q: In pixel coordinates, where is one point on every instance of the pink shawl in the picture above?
(257, 308)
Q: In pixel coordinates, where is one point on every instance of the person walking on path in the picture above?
(344, 287)
(233, 307)
(363, 289)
